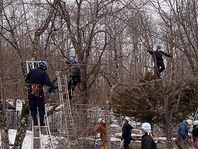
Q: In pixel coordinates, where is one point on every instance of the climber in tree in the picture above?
(158, 58)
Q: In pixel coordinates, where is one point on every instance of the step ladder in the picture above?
(196, 115)
(41, 135)
(67, 127)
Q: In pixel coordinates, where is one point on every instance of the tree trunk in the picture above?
(23, 127)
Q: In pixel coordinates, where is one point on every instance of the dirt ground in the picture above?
(137, 145)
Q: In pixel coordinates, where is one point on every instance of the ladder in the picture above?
(41, 135)
(67, 125)
(196, 115)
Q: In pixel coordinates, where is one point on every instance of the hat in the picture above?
(146, 127)
(99, 120)
(189, 121)
(159, 46)
(43, 63)
(103, 121)
(127, 118)
(72, 60)
(195, 122)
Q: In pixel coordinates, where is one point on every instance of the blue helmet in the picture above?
(72, 60)
(44, 63)
(159, 46)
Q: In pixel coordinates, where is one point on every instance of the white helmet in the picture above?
(146, 127)
(127, 118)
(195, 122)
(99, 120)
(103, 121)
(189, 121)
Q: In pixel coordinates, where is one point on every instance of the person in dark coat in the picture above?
(195, 134)
(75, 76)
(37, 78)
(158, 58)
(147, 141)
(126, 133)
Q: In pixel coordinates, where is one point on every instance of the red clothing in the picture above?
(102, 130)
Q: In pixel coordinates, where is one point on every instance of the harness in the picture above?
(35, 88)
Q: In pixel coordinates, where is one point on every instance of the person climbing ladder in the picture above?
(37, 78)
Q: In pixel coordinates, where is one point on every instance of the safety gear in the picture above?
(146, 127)
(55, 90)
(44, 63)
(189, 121)
(72, 60)
(127, 118)
(159, 46)
(103, 121)
(195, 122)
(35, 88)
(99, 120)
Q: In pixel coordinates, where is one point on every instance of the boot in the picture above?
(42, 120)
(35, 121)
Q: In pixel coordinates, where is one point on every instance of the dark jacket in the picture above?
(75, 70)
(158, 55)
(148, 142)
(126, 131)
(195, 133)
(39, 76)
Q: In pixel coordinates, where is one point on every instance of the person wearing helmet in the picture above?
(75, 76)
(158, 58)
(147, 141)
(126, 133)
(195, 134)
(37, 78)
(102, 130)
(183, 140)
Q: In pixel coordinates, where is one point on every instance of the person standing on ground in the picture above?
(158, 58)
(37, 78)
(183, 140)
(195, 134)
(102, 130)
(147, 141)
(126, 133)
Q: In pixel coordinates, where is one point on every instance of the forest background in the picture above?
(110, 39)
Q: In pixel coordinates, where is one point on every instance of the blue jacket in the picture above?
(39, 76)
(182, 131)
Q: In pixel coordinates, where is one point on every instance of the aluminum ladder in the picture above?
(196, 115)
(66, 121)
(41, 135)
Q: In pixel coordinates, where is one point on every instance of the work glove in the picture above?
(55, 90)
